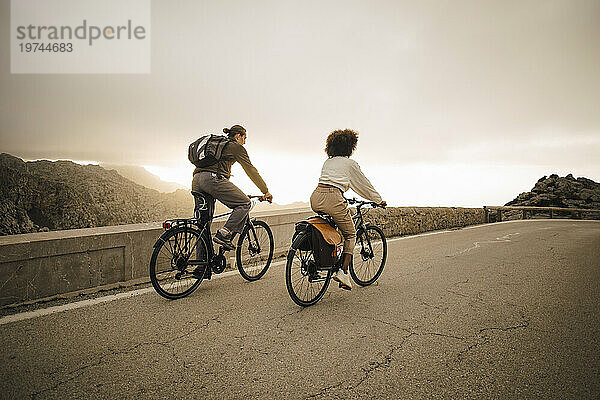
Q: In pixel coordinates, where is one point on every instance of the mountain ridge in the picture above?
(47, 195)
(143, 177)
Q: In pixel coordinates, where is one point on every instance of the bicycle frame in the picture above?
(303, 269)
(193, 222)
(358, 219)
(359, 225)
(204, 228)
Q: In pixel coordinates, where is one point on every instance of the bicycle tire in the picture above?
(254, 251)
(169, 258)
(297, 271)
(366, 265)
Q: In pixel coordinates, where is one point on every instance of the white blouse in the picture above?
(344, 173)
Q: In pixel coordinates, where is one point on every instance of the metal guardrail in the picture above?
(527, 211)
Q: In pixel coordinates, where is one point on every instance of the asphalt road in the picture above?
(506, 310)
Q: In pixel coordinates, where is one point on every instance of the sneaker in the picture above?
(223, 238)
(343, 278)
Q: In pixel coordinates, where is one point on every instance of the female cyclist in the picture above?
(340, 173)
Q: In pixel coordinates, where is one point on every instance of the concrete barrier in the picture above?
(41, 265)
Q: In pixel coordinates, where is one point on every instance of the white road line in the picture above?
(445, 231)
(71, 306)
(503, 239)
(516, 221)
(105, 299)
(417, 236)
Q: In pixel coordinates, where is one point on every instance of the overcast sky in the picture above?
(458, 103)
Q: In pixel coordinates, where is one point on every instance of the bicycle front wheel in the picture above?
(170, 272)
(370, 253)
(254, 250)
(305, 283)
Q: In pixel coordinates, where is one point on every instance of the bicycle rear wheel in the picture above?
(370, 254)
(305, 284)
(170, 272)
(254, 250)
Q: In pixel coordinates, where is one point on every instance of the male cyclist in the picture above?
(214, 180)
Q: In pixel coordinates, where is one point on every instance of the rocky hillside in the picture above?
(42, 195)
(139, 175)
(555, 191)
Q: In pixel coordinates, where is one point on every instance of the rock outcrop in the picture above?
(556, 191)
(45, 195)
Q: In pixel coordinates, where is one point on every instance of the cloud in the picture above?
(500, 84)
(550, 151)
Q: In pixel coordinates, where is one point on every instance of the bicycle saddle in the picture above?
(326, 217)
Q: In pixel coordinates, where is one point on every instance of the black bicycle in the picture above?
(184, 254)
(307, 281)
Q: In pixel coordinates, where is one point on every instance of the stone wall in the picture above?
(412, 220)
(41, 265)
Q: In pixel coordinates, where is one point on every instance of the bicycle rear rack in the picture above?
(174, 223)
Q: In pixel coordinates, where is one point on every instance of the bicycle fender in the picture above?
(161, 239)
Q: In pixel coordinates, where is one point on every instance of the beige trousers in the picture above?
(330, 201)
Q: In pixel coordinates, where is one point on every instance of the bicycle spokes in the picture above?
(369, 256)
(255, 250)
(305, 283)
(305, 275)
(366, 250)
(173, 260)
(253, 242)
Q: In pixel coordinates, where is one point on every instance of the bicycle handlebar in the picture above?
(361, 203)
(259, 198)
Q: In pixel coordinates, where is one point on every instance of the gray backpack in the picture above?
(207, 150)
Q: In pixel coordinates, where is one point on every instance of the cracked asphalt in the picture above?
(505, 310)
